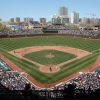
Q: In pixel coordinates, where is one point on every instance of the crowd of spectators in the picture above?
(58, 27)
(13, 80)
(85, 84)
(20, 32)
(79, 33)
(69, 30)
(87, 80)
(62, 29)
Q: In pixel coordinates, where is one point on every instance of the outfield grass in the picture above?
(40, 56)
(15, 43)
(86, 44)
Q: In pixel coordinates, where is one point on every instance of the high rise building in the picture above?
(85, 20)
(65, 20)
(61, 17)
(12, 20)
(74, 17)
(17, 19)
(63, 11)
(56, 20)
(42, 20)
(90, 20)
(27, 20)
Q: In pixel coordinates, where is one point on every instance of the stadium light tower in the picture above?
(93, 16)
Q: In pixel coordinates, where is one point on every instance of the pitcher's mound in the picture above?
(50, 56)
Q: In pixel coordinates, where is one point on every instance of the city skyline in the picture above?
(46, 8)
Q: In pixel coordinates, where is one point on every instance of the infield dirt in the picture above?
(51, 68)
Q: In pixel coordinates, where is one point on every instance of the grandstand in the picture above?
(16, 85)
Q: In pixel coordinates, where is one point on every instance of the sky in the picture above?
(46, 8)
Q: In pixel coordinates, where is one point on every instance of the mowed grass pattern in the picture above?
(15, 43)
(68, 69)
(40, 57)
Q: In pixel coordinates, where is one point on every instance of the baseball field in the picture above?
(61, 55)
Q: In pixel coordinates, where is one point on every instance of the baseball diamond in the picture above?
(24, 54)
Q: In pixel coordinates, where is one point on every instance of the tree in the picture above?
(1, 25)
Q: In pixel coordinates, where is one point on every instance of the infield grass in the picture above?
(57, 57)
